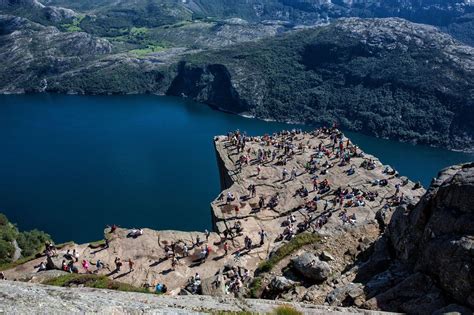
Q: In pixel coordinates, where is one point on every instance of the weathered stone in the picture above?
(26, 298)
(437, 236)
(417, 294)
(326, 256)
(311, 267)
(281, 284)
(345, 295)
(214, 286)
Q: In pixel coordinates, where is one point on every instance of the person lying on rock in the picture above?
(135, 233)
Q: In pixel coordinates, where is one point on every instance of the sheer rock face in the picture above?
(437, 236)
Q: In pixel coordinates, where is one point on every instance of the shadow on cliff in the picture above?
(423, 262)
(210, 84)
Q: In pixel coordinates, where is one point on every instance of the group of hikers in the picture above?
(332, 151)
(318, 198)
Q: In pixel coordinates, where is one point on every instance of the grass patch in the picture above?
(233, 313)
(296, 243)
(74, 25)
(255, 287)
(286, 310)
(148, 50)
(97, 244)
(280, 310)
(138, 31)
(93, 281)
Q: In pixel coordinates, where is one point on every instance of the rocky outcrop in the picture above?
(437, 237)
(31, 53)
(26, 298)
(311, 267)
(36, 9)
(432, 249)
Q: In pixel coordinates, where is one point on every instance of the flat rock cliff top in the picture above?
(325, 185)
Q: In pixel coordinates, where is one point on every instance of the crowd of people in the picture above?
(317, 198)
(332, 151)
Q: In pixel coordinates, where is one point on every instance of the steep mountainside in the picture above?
(385, 77)
(431, 250)
(388, 77)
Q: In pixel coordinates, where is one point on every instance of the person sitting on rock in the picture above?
(160, 288)
(230, 197)
(113, 228)
(64, 266)
(41, 267)
(134, 233)
(99, 265)
(85, 265)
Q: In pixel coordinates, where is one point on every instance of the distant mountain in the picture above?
(108, 17)
(384, 77)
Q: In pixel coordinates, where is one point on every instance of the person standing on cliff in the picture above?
(118, 264)
(293, 173)
(130, 265)
(261, 202)
(226, 248)
(262, 234)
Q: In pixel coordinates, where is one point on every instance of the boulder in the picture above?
(214, 286)
(345, 295)
(55, 262)
(281, 284)
(326, 256)
(310, 267)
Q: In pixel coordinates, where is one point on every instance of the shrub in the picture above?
(296, 243)
(286, 310)
(31, 242)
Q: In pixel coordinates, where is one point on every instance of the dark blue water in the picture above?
(69, 165)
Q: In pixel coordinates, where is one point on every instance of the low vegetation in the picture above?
(30, 243)
(286, 310)
(285, 250)
(280, 310)
(300, 240)
(329, 74)
(93, 281)
(148, 50)
(255, 287)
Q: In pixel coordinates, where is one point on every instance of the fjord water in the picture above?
(69, 165)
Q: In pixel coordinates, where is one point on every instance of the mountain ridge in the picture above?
(385, 77)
